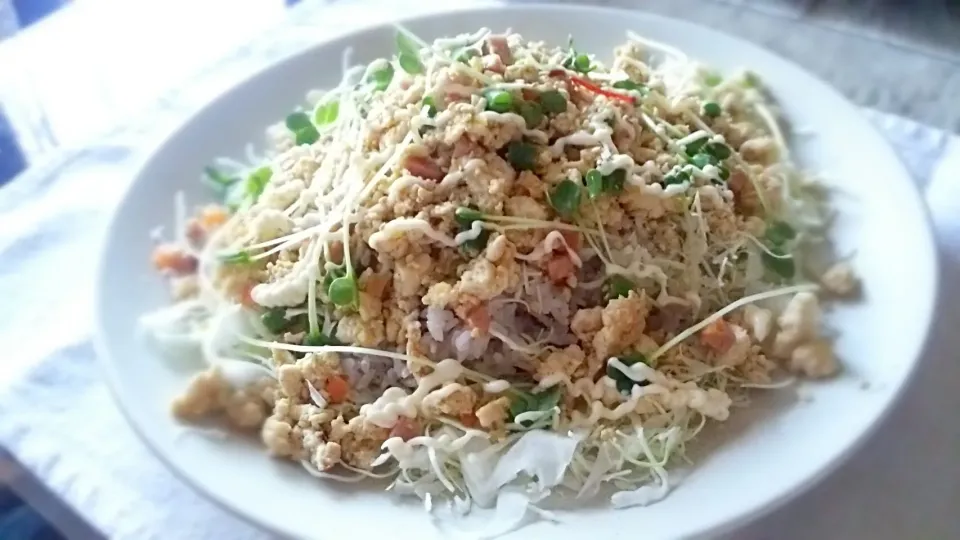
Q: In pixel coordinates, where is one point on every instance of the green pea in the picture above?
(624, 383)
(718, 150)
(619, 286)
(783, 267)
(531, 112)
(565, 198)
(553, 102)
(500, 101)
(521, 155)
(275, 320)
(779, 233)
(343, 291)
(381, 78)
(594, 182)
(711, 109)
(581, 63)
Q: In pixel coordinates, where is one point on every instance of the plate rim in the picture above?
(732, 520)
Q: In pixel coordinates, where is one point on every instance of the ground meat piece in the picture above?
(440, 295)
(423, 167)
(739, 350)
(411, 274)
(568, 362)
(486, 280)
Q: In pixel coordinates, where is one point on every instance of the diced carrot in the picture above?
(572, 238)
(718, 336)
(479, 318)
(172, 258)
(245, 298)
(337, 389)
(195, 232)
(560, 267)
(405, 428)
(335, 255)
(469, 419)
(212, 216)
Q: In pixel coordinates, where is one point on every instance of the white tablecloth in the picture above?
(58, 418)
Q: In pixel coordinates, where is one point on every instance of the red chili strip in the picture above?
(579, 81)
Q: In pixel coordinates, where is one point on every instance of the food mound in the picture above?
(490, 266)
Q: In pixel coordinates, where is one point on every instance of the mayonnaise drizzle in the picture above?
(496, 386)
(396, 227)
(395, 402)
(549, 244)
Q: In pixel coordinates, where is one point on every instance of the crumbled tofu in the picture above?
(759, 320)
(762, 150)
(452, 399)
(277, 436)
(800, 321)
(623, 322)
(359, 441)
(205, 394)
(814, 359)
(567, 361)
(326, 455)
(494, 414)
(840, 279)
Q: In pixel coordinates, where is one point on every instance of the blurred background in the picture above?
(75, 70)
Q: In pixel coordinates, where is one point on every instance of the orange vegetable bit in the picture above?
(338, 389)
(718, 336)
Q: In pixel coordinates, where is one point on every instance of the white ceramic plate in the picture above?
(762, 456)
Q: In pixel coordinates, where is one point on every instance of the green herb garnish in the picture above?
(235, 257)
(326, 113)
(303, 129)
(409, 56)
(553, 102)
(318, 339)
(676, 177)
(624, 383)
(275, 320)
(431, 105)
(618, 286)
(531, 112)
(627, 84)
(718, 150)
(711, 109)
(565, 198)
(381, 78)
(521, 155)
(524, 402)
(783, 267)
(594, 181)
(779, 233)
